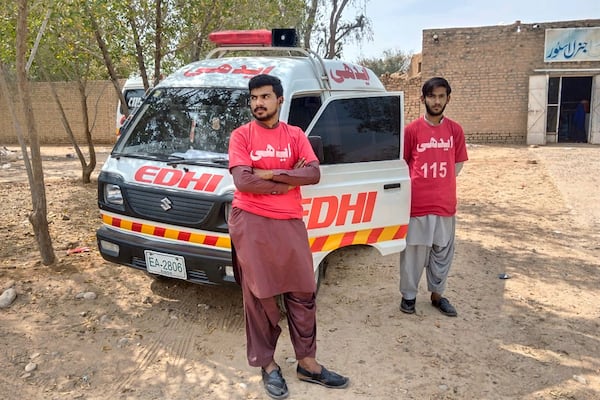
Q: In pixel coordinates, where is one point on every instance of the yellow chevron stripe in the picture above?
(329, 242)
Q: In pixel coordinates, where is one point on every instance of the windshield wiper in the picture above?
(147, 155)
(219, 162)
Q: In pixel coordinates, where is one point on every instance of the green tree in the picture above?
(9, 13)
(165, 34)
(99, 39)
(325, 30)
(205, 16)
(392, 61)
(69, 53)
(32, 158)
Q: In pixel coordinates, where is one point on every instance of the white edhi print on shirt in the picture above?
(270, 152)
(435, 144)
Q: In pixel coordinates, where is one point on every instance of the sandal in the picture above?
(274, 383)
(325, 378)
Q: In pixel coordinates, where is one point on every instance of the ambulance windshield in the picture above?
(187, 123)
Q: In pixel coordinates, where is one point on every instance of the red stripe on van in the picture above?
(211, 240)
(319, 243)
(401, 232)
(347, 239)
(374, 235)
(184, 236)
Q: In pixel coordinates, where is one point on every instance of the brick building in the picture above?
(513, 84)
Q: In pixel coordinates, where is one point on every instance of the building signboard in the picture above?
(572, 44)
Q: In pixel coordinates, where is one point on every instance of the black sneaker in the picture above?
(407, 306)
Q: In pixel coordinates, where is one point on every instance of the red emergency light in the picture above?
(258, 37)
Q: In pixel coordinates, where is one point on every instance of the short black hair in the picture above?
(266, 80)
(434, 83)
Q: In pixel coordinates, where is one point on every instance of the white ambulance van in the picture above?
(165, 191)
(134, 92)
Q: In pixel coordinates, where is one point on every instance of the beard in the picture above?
(434, 113)
(265, 117)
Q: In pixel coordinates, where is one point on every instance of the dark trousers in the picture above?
(580, 135)
(262, 325)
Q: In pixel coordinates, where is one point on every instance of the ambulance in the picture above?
(133, 92)
(165, 191)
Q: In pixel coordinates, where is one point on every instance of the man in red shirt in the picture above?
(269, 161)
(434, 149)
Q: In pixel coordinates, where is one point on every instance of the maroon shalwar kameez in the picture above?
(273, 258)
(269, 238)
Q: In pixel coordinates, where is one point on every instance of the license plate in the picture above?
(165, 264)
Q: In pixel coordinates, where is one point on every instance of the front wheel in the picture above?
(320, 273)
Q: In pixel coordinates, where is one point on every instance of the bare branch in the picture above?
(39, 38)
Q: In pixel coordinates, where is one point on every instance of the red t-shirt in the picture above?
(275, 149)
(431, 152)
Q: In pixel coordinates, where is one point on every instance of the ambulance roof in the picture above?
(297, 74)
(134, 81)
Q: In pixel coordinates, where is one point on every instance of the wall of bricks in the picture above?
(487, 67)
(101, 103)
(411, 86)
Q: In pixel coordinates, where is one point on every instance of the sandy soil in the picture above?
(530, 212)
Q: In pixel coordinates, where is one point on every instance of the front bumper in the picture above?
(204, 265)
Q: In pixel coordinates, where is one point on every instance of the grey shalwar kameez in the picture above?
(430, 245)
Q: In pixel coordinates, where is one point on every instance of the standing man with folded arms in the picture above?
(435, 149)
(269, 161)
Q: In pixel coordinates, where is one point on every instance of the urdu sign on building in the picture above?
(572, 44)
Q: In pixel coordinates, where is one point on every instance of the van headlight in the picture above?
(113, 195)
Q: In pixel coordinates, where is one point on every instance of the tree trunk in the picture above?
(311, 16)
(110, 67)
(39, 216)
(139, 49)
(86, 168)
(158, 42)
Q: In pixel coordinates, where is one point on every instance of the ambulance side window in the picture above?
(360, 129)
(303, 110)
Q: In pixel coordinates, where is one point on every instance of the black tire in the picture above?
(319, 276)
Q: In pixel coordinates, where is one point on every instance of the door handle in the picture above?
(392, 186)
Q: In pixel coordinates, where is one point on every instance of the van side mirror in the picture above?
(317, 146)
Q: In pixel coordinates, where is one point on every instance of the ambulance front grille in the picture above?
(169, 208)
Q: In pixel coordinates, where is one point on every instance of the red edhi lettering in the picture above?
(331, 210)
(176, 178)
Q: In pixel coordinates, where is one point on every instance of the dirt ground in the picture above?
(530, 212)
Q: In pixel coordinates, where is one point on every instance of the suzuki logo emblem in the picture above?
(166, 204)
